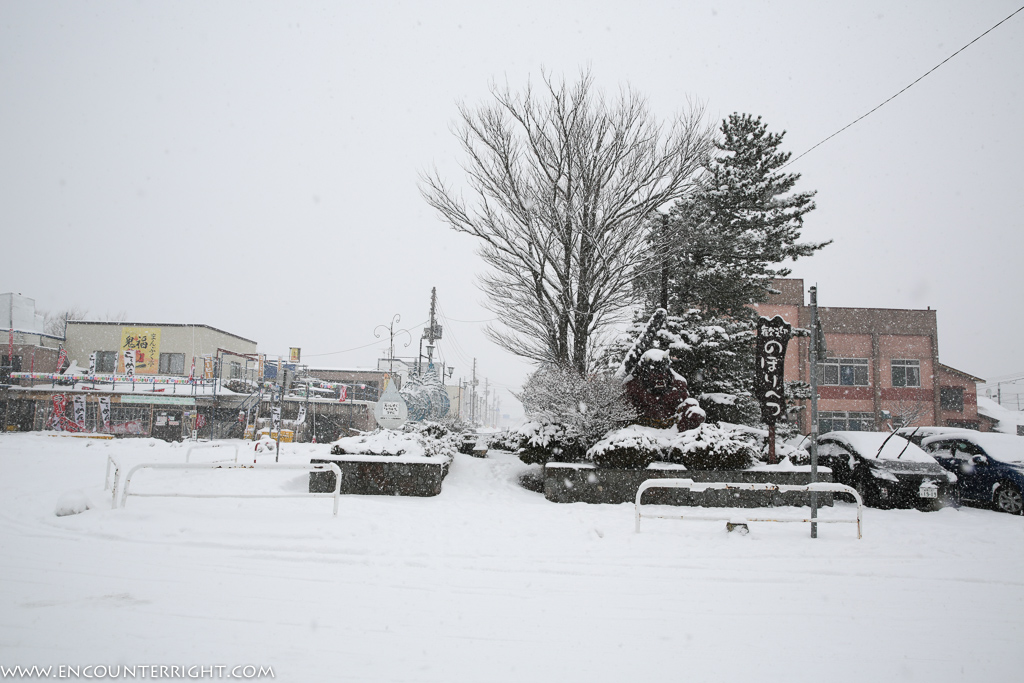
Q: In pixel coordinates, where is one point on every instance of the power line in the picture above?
(904, 89)
(355, 348)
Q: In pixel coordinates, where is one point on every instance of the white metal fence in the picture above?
(689, 484)
(209, 446)
(308, 467)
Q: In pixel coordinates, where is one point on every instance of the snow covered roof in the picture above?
(867, 445)
(1008, 420)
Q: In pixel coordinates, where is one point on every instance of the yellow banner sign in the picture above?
(145, 341)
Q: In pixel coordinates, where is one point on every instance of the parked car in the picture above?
(989, 467)
(919, 434)
(886, 469)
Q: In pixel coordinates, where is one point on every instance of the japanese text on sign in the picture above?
(772, 338)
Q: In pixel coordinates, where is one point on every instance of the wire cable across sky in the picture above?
(919, 79)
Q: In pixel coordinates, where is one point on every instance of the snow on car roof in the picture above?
(867, 444)
(1002, 447)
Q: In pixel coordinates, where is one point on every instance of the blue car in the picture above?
(989, 467)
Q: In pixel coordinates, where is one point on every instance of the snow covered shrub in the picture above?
(545, 442)
(633, 447)
(712, 448)
(505, 440)
(569, 413)
(433, 430)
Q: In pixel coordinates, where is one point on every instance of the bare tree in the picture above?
(55, 324)
(907, 412)
(561, 181)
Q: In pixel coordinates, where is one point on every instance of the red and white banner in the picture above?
(342, 393)
(192, 372)
(62, 358)
(79, 407)
(57, 416)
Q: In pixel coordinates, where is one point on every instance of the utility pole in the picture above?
(487, 402)
(472, 396)
(433, 332)
(814, 358)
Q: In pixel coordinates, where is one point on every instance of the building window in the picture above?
(5, 362)
(952, 398)
(845, 422)
(236, 370)
(906, 373)
(106, 362)
(172, 364)
(846, 372)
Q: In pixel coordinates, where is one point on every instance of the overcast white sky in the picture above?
(253, 166)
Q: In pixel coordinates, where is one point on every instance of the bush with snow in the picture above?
(396, 443)
(543, 442)
(710, 447)
(632, 447)
(569, 413)
(506, 440)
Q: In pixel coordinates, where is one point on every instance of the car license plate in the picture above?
(928, 492)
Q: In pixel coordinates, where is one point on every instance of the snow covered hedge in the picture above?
(423, 440)
(707, 447)
(541, 442)
(712, 448)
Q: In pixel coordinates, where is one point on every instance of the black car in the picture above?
(989, 467)
(887, 470)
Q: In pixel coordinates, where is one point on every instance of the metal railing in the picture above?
(106, 480)
(203, 447)
(308, 467)
(689, 484)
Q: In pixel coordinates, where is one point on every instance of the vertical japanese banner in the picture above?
(301, 418)
(259, 373)
(57, 416)
(105, 412)
(342, 393)
(92, 363)
(769, 379)
(79, 407)
(145, 342)
(62, 358)
(769, 376)
(129, 362)
(192, 372)
(208, 367)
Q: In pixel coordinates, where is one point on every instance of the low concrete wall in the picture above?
(384, 478)
(573, 483)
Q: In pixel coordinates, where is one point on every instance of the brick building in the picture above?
(23, 329)
(883, 364)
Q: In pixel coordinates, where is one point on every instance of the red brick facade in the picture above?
(883, 364)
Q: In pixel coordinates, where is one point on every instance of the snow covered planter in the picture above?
(627, 457)
(388, 463)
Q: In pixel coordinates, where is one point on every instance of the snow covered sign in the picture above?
(772, 338)
(391, 411)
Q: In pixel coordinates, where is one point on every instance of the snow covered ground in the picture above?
(486, 582)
